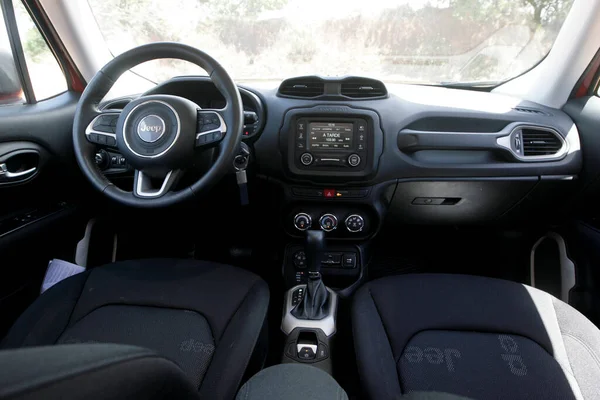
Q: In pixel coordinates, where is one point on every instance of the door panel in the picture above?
(40, 215)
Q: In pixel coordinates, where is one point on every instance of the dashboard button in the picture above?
(328, 222)
(353, 160)
(322, 351)
(329, 193)
(306, 159)
(349, 260)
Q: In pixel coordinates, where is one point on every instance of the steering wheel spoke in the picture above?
(210, 128)
(102, 129)
(149, 186)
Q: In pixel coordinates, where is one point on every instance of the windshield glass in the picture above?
(423, 41)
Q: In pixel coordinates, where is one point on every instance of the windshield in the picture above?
(422, 41)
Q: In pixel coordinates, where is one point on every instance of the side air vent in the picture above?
(527, 110)
(362, 88)
(537, 142)
(305, 87)
(533, 143)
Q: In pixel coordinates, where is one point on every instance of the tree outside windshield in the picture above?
(430, 41)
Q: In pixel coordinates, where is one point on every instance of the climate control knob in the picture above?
(302, 221)
(328, 222)
(354, 223)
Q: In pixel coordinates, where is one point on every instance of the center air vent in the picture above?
(537, 142)
(305, 87)
(363, 88)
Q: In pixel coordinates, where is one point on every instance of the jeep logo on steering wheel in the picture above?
(151, 128)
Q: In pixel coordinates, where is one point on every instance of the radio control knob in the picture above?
(306, 159)
(354, 223)
(302, 221)
(328, 222)
(353, 160)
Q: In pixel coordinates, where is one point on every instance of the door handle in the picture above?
(5, 174)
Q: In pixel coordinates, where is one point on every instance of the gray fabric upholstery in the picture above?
(180, 335)
(203, 316)
(292, 382)
(474, 337)
(90, 372)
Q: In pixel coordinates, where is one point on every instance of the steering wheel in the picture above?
(158, 135)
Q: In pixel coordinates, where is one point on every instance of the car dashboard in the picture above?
(352, 153)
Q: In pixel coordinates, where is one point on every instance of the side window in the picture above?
(47, 78)
(41, 71)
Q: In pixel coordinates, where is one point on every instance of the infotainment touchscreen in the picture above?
(330, 135)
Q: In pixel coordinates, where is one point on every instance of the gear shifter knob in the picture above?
(315, 244)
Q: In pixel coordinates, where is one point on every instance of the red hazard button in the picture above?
(329, 193)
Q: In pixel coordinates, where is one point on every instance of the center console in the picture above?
(330, 153)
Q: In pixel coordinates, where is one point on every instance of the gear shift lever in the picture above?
(315, 303)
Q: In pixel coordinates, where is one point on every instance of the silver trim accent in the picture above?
(89, 130)
(330, 159)
(506, 142)
(6, 174)
(222, 126)
(311, 159)
(327, 324)
(567, 267)
(300, 215)
(172, 143)
(328, 215)
(300, 346)
(162, 131)
(141, 192)
(359, 160)
(354, 215)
